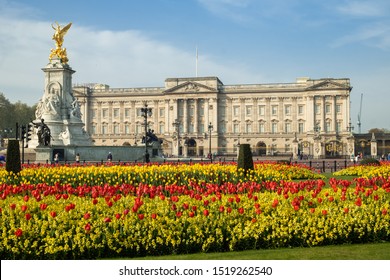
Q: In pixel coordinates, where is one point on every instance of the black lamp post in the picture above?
(210, 127)
(145, 113)
(176, 124)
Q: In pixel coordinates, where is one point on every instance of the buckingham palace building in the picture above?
(200, 115)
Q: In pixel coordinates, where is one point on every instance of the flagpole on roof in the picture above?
(196, 64)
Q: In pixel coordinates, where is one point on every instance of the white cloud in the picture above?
(375, 35)
(366, 8)
(117, 58)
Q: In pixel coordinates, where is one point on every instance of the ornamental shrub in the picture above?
(369, 161)
(13, 157)
(245, 159)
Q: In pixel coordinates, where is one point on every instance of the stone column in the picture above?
(185, 116)
(196, 117)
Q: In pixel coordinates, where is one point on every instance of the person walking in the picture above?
(109, 157)
(77, 158)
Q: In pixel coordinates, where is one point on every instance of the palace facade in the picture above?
(198, 115)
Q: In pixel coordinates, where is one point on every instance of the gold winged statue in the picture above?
(58, 37)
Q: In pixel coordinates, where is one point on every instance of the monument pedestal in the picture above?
(59, 109)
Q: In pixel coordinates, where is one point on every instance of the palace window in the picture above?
(274, 110)
(161, 112)
(161, 128)
(287, 127)
(274, 128)
(327, 108)
(104, 113)
(127, 128)
(116, 113)
(287, 110)
(127, 112)
(248, 128)
(116, 128)
(301, 127)
(236, 128)
(338, 108)
(261, 110)
(236, 111)
(261, 127)
(248, 110)
(301, 109)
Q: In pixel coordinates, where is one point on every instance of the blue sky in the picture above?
(129, 43)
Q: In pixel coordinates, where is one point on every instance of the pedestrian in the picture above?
(388, 156)
(56, 158)
(77, 158)
(109, 157)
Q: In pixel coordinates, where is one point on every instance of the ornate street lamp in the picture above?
(176, 124)
(210, 127)
(145, 113)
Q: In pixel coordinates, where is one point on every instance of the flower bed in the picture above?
(125, 211)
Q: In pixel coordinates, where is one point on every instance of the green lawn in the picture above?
(374, 251)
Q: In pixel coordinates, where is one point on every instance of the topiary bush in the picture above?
(13, 157)
(369, 161)
(245, 159)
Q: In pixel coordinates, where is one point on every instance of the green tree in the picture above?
(10, 114)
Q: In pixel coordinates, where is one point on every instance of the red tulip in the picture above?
(18, 232)
(28, 216)
(191, 214)
(275, 203)
(221, 208)
(346, 210)
(53, 214)
(296, 207)
(178, 214)
(206, 212)
(384, 211)
(12, 206)
(258, 211)
(117, 216)
(312, 210)
(141, 216)
(324, 212)
(87, 216)
(26, 198)
(154, 215)
(229, 210)
(126, 211)
(358, 202)
(24, 208)
(107, 220)
(254, 220)
(257, 205)
(241, 210)
(43, 206)
(65, 196)
(185, 206)
(87, 227)
(206, 202)
(94, 201)
(109, 203)
(194, 208)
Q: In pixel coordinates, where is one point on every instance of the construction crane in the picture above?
(359, 118)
